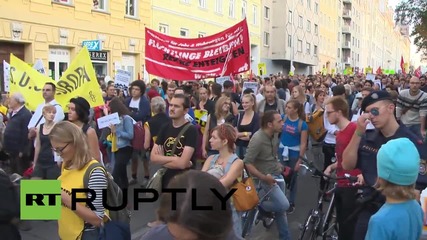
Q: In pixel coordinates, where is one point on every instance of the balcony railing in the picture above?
(346, 60)
(346, 14)
(346, 29)
(346, 44)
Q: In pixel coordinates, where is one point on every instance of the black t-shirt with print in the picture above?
(167, 137)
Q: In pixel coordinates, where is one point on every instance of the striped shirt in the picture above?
(415, 107)
(98, 182)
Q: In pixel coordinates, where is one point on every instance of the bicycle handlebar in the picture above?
(309, 165)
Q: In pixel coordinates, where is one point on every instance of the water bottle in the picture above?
(423, 200)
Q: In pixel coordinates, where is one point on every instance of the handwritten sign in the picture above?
(251, 85)
(122, 81)
(108, 120)
(6, 75)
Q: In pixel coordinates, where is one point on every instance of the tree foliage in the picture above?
(414, 13)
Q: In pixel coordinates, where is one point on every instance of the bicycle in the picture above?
(257, 214)
(320, 224)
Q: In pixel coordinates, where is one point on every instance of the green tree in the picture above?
(414, 13)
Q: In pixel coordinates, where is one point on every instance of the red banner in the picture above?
(222, 54)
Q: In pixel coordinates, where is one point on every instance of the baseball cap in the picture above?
(398, 162)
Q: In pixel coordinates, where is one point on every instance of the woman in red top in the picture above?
(336, 109)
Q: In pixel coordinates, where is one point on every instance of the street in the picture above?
(306, 199)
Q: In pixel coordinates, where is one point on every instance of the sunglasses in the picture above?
(60, 150)
(374, 111)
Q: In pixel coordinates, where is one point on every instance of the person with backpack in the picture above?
(293, 144)
(123, 132)
(226, 166)
(78, 113)
(70, 143)
(316, 127)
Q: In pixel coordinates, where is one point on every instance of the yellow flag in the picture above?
(201, 118)
(79, 80)
(28, 81)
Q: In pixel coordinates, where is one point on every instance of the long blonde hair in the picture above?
(219, 113)
(68, 132)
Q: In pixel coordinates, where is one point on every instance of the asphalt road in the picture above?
(306, 199)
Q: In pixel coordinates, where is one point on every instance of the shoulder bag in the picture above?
(156, 181)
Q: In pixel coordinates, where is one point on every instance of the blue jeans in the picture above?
(293, 184)
(241, 151)
(237, 221)
(278, 204)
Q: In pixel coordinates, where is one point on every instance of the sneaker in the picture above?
(144, 182)
(291, 209)
(133, 181)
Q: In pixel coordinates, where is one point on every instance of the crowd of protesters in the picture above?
(342, 120)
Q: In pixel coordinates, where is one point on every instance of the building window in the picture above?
(316, 8)
(339, 36)
(218, 6)
(201, 34)
(266, 12)
(339, 53)
(59, 60)
(308, 48)
(183, 32)
(131, 7)
(308, 26)
(254, 14)
(316, 29)
(63, 1)
(301, 2)
(289, 40)
(299, 46)
(315, 50)
(300, 22)
(290, 17)
(163, 28)
(244, 7)
(231, 9)
(100, 5)
(202, 3)
(266, 39)
(309, 4)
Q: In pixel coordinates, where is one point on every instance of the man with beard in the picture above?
(411, 108)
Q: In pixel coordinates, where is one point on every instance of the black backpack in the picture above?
(9, 200)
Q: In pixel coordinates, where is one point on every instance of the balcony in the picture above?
(346, 29)
(346, 14)
(346, 60)
(346, 45)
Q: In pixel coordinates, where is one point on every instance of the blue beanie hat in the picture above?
(398, 162)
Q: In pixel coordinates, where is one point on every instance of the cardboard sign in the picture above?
(108, 120)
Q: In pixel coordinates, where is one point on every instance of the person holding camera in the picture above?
(361, 153)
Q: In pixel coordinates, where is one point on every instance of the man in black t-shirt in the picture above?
(184, 156)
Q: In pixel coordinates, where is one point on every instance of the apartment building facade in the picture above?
(199, 18)
(290, 31)
(54, 31)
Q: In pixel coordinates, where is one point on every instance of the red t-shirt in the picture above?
(343, 139)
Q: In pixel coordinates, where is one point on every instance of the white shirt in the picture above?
(330, 130)
(38, 114)
(134, 103)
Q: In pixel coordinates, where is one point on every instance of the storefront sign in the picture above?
(92, 45)
(98, 56)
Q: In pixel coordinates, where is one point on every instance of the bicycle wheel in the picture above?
(330, 228)
(248, 220)
(308, 230)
